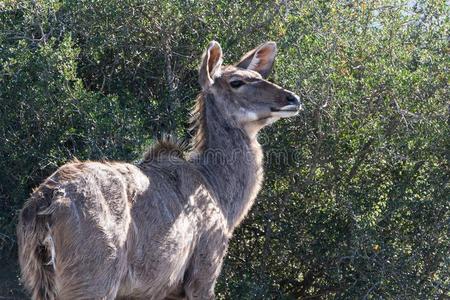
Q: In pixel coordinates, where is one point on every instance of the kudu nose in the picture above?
(293, 99)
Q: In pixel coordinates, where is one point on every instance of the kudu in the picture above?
(158, 229)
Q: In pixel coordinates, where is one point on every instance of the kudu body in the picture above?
(159, 229)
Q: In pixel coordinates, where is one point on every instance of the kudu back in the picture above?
(158, 229)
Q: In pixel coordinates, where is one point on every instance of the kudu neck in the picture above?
(230, 160)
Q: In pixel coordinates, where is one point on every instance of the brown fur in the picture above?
(159, 229)
(198, 123)
(167, 146)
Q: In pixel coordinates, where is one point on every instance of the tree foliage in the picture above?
(355, 202)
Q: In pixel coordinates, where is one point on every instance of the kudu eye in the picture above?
(236, 83)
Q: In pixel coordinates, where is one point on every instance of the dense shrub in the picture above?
(355, 203)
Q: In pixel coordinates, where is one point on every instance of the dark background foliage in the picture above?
(356, 198)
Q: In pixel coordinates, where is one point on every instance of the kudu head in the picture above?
(241, 91)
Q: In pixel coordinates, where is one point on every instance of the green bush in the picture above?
(355, 202)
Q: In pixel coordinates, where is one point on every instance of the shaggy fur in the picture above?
(159, 229)
(166, 147)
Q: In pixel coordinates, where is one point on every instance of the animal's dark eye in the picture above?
(236, 83)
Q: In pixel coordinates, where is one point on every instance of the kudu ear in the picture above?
(210, 66)
(260, 59)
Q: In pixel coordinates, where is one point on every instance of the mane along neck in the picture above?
(198, 124)
(230, 160)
